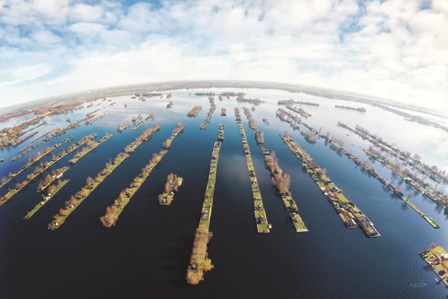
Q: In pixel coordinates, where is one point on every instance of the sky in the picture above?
(395, 49)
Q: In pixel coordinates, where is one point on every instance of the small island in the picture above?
(194, 111)
(173, 183)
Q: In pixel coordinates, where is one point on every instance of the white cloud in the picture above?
(23, 74)
(45, 37)
(391, 49)
(87, 29)
(86, 13)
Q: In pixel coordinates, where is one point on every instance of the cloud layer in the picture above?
(394, 49)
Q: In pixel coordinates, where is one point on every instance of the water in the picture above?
(147, 253)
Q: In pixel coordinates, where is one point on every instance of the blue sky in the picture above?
(393, 49)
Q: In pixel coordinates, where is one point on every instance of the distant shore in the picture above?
(87, 95)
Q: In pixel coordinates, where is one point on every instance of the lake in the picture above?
(146, 255)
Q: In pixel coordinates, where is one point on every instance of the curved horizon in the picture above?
(182, 84)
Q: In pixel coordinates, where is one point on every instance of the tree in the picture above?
(91, 144)
(167, 187)
(90, 182)
(285, 183)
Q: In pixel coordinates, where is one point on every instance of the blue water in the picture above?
(147, 253)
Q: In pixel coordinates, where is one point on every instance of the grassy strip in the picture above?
(421, 213)
(92, 184)
(55, 174)
(293, 121)
(34, 160)
(78, 156)
(40, 169)
(113, 212)
(143, 137)
(351, 215)
(281, 181)
(138, 125)
(435, 257)
(426, 191)
(199, 261)
(209, 114)
(221, 132)
(26, 151)
(85, 191)
(210, 189)
(261, 218)
(58, 186)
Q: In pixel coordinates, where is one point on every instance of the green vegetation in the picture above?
(92, 184)
(210, 113)
(123, 126)
(113, 212)
(195, 111)
(437, 258)
(26, 150)
(199, 261)
(337, 145)
(91, 120)
(420, 212)
(10, 136)
(88, 119)
(261, 219)
(137, 125)
(80, 196)
(351, 215)
(41, 168)
(418, 184)
(50, 178)
(392, 152)
(52, 190)
(91, 145)
(221, 132)
(143, 137)
(279, 179)
(33, 160)
(179, 129)
(173, 183)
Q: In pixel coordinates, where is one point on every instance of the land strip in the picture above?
(351, 215)
(92, 184)
(113, 212)
(33, 160)
(280, 180)
(199, 261)
(261, 218)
